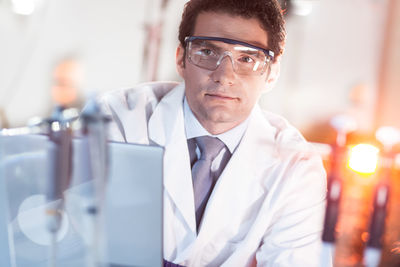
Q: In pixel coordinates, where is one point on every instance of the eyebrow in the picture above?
(211, 44)
(240, 48)
(268, 52)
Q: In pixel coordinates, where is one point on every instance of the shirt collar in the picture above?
(194, 129)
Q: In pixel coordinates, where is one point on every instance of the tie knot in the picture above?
(209, 147)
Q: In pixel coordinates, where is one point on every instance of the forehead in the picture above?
(216, 24)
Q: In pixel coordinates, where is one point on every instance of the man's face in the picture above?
(221, 99)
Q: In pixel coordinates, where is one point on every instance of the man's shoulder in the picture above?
(144, 92)
(286, 136)
(282, 127)
(294, 153)
(130, 109)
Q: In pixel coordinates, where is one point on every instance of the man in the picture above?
(261, 201)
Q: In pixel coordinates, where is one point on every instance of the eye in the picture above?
(246, 59)
(206, 52)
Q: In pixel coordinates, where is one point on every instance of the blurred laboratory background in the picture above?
(342, 58)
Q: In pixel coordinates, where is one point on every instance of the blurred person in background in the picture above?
(241, 186)
(67, 79)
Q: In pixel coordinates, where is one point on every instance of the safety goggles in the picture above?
(208, 53)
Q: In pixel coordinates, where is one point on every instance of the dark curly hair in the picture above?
(268, 12)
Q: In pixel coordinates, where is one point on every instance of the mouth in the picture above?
(220, 96)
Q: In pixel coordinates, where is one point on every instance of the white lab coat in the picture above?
(266, 208)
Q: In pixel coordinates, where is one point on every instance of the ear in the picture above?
(273, 75)
(180, 60)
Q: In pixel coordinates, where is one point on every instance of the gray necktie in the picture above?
(203, 181)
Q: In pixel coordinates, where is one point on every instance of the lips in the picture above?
(220, 96)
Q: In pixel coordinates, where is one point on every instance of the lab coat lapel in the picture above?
(166, 128)
(248, 164)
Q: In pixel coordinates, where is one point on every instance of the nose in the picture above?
(225, 73)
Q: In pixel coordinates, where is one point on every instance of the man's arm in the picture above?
(294, 238)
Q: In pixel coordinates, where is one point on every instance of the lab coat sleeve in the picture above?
(294, 236)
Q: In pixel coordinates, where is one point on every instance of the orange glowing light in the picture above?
(363, 158)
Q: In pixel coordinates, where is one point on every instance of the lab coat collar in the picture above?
(166, 128)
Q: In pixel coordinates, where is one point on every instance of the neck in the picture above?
(215, 128)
